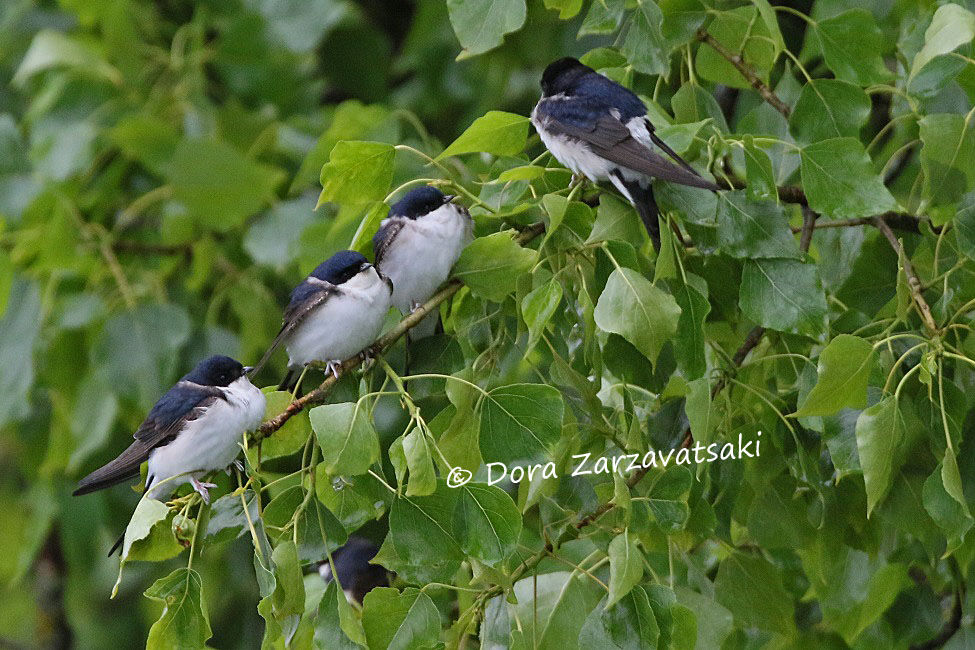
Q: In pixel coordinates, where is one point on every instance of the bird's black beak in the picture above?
(364, 266)
(449, 198)
(248, 370)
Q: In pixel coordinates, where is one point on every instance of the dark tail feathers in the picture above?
(646, 207)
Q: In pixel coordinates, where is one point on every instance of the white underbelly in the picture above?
(340, 328)
(418, 263)
(577, 156)
(210, 442)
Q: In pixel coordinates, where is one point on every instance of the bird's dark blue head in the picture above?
(217, 370)
(418, 202)
(561, 76)
(340, 267)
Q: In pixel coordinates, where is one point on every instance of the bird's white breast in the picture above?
(344, 324)
(571, 152)
(211, 441)
(419, 260)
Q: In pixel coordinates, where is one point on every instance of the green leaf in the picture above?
(149, 536)
(767, 13)
(945, 510)
(616, 220)
(416, 449)
(604, 17)
(965, 225)
(480, 25)
(750, 229)
(951, 27)
(486, 522)
(496, 132)
(751, 589)
(740, 32)
(645, 46)
(184, 623)
(288, 598)
(217, 184)
(51, 49)
(349, 442)
(357, 172)
(552, 609)
(567, 8)
(354, 500)
(951, 478)
(19, 330)
(638, 311)
(879, 430)
(698, 410)
(947, 157)
(537, 308)
(668, 499)
(784, 295)
(844, 368)
(289, 438)
(400, 621)
(758, 173)
(829, 108)
(328, 627)
(628, 625)
(421, 534)
(491, 265)
(694, 310)
(840, 182)
(625, 567)
(520, 421)
(352, 120)
(851, 43)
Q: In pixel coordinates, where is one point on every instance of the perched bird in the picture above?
(336, 312)
(195, 428)
(599, 129)
(417, 245)
(356, 575)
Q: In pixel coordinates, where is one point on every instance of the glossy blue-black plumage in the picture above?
(418, 202)
(217, 370)
(335, 270)
(589, 95)
(339, 267)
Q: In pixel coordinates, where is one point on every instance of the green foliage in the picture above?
(171, 170)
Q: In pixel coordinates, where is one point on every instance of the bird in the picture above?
(335, 313)
(356, 575)
(599, 129)
(194, 428)
(416, 246)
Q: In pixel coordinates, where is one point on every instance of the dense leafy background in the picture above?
(168, 170)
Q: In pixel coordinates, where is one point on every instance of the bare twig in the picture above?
(912, 280)
(735, 59)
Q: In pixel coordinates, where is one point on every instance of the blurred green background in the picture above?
(158, 176)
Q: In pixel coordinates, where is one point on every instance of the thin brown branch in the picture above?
(384, 342)
(912, 280)
(735, 59)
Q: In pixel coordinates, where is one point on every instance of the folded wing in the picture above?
(610, 139)
(183, 403)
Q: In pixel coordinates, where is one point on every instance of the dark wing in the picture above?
(304, 299)
(384, 237)
(183, 403)
(610, 139)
